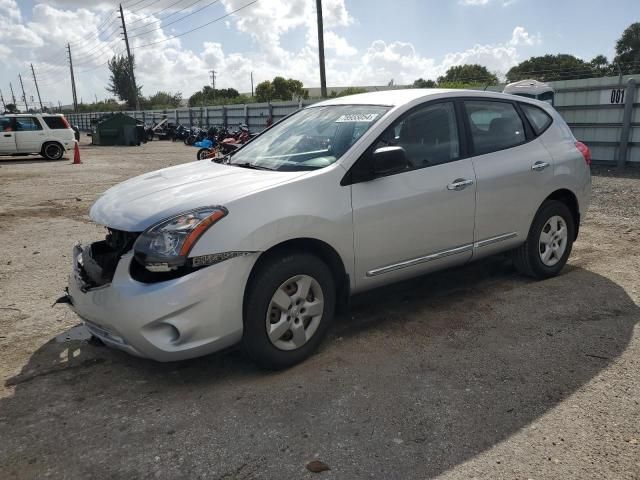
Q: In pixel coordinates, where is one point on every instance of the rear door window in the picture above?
(538, 118)
(55, 123)
(494, 125)
(25, 124)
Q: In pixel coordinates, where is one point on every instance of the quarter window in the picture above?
(429, 135)
(494, 126)
(27, 124)
(539, 119)
(55, 123)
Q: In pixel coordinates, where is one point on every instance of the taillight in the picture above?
(66, 124)
(584, 150)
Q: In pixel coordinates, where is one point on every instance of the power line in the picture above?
(174, 21)
(155, 13)
(197, 28)
(176, 36)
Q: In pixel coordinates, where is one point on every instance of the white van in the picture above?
(532, 89)
(44, 134)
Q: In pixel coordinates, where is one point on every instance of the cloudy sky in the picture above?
(367, 42)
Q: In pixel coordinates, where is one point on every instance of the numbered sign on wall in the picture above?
(615, 96)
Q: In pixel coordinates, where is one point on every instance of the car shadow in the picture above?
(414, 379)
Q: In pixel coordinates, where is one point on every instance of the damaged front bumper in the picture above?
(180, 318)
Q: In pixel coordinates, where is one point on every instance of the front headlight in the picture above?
(166, 245)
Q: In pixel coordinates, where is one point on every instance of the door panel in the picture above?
(7, 142)
(29, 135)
(7, 138)
(509, 191)
(412, 223)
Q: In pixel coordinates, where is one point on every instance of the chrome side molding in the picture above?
(438, 255)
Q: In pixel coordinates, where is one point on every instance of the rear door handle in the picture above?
(538, 166)
(459, 184)
(7, 134)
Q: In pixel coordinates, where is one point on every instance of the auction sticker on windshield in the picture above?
(357, 117)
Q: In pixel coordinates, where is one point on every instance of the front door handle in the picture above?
(7, 134)
(459, 184)
(538, 166)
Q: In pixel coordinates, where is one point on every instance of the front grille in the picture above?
(100, 259)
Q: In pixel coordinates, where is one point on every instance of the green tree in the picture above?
(601, 66)
(422, 83)
(120, 83)
(264, 91)
(550, 68)
(469, 74)
(11, 108)
(162, 100)
(351, 91)
(207, 96)
(628, 50)
(280, 88)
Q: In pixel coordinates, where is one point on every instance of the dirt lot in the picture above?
(472, 373)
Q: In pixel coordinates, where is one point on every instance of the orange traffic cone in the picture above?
(76, 154)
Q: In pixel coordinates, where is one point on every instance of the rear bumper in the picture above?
(186, 317)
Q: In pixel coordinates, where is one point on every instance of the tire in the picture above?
(203, 153)
(529, 258)
(287, 275)
(52, 151)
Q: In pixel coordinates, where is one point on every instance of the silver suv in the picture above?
(48, 135)
(340, 197)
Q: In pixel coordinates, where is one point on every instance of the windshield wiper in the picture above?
(250, 165)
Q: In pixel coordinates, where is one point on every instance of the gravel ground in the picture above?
(470, 373)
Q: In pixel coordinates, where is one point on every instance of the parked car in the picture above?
(38, 133)
(340, 197)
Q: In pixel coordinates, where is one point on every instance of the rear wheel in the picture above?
(289, 306)
(549, 242)
(52, 151)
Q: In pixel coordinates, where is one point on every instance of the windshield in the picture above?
(310, 139)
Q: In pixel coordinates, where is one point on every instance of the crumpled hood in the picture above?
(138, 203)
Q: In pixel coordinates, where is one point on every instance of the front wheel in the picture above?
(289, 306)
(203, 153)
(549, 242)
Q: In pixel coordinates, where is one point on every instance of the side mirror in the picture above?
(389, 160)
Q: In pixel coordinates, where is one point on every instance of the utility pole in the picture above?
(4, 105)
(133, 77)
(212, 73)
(323, 78)
(13, 96)
(24, 96)
(252, 84)
(73, 81)
(37, 89)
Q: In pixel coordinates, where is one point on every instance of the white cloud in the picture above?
(521, 37)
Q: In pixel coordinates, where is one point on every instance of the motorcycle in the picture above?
(220, 142)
